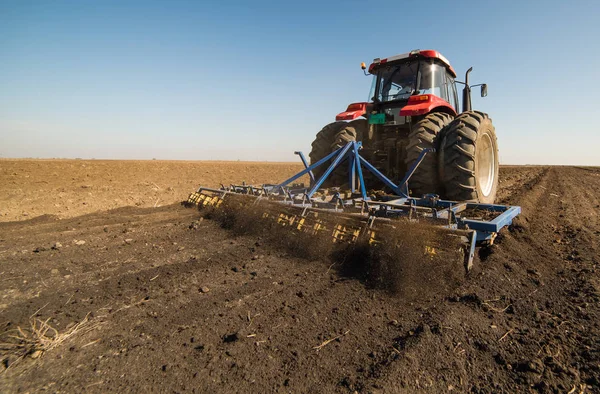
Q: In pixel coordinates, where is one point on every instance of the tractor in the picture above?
(407, 154)
(413, 105)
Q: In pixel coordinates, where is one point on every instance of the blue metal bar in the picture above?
(382, 177)
(445, 203)
(310, 168)
(339, 158)
(493, 226)
(471, 251)
(456, 208)
(487, 207)
(361, 179)
(399, 201)
(352, 170)
(404, 183)
(310, 173)
(507, 216)
(485, 236)
(478, 225)
(468, 205)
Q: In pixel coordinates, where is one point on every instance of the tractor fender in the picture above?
(423, 104)
(354, 110)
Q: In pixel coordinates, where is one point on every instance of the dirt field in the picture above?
(68, 188)
(157, 300)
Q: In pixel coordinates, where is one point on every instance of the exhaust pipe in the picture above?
(467, 92)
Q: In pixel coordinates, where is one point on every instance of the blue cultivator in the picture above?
(475, 223)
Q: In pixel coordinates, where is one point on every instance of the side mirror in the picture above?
(484, 90)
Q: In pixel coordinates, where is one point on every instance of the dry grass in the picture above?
(40, 338)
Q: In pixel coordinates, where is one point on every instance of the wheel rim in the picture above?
(486, 165)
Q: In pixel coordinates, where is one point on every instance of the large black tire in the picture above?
(469, 159)
(424, 134)
(353, 131)
(321, 146)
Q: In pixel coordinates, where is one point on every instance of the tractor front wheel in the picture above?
(469, 159)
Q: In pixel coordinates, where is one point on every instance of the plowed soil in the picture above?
(156, 299)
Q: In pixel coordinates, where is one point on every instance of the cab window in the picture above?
(451, 88)
(432, 80)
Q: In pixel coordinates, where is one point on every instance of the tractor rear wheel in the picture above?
(423, 134)
(353, 131)
(469, 159)
(321, 146)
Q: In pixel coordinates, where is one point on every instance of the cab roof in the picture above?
(427, 53)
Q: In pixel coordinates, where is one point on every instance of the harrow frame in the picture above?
(462, 218)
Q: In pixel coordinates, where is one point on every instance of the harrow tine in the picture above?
(470, 251)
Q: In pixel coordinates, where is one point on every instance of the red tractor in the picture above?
(414, 105)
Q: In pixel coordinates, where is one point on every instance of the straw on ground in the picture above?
(41, 337)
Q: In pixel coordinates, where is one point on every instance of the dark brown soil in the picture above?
(183, 305)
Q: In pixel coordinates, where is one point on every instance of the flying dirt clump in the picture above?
(412, 259)
(241, 217)
(409, 258)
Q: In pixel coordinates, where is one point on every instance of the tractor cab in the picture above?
(399, 81)
(413, 82)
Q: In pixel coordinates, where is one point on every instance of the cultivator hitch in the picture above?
(359, 215)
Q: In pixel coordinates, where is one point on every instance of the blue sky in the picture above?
(257, 80)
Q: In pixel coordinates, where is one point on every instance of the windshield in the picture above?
(399, 81)
(395, 82)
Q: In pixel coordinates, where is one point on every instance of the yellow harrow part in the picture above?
(339, 228)
(308, 221)
(204, 200)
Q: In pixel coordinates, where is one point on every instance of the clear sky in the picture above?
(256, 80)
